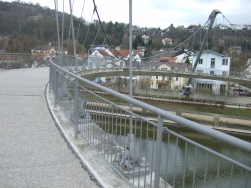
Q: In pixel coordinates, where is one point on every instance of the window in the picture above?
(199, 71)
(150, 77)
(224, 61)
(157, 77)
(212, 62)
(200, 61)
(177, 79)
(163, 69)
(163, 77)
(211, 72)
(224, 73)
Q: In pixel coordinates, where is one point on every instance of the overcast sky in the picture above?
(159, 13)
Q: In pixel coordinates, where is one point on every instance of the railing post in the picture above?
(158, 152)
(76, 108)
(56, 89)
(50, 78)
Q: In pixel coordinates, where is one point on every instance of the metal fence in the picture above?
(144, 151)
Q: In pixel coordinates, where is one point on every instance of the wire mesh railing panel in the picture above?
(106, 126)
(188, 164)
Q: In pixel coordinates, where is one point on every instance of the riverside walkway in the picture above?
(33, 153)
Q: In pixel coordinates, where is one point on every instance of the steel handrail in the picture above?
(180, 120)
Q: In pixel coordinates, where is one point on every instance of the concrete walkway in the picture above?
(32, 151)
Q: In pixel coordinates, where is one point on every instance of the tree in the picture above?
(187, 61)
(144, 82)
(125, 41)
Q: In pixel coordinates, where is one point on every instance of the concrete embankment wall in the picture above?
(216, 121)
(228, 99)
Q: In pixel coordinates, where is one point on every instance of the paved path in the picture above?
(32, 151)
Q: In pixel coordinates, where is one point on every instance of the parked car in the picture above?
(240, 91)
(247, 93)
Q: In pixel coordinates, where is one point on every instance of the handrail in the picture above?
(157, 72)
(180, 120)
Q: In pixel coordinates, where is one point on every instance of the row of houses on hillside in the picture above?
(41, 54)
(165, 41)
(209, 63)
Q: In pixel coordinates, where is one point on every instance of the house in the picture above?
(192, 28)
(42, 54)
(236, 27)
(168, 59)
(211, 62)
(110, 58)
(100, 57)
(236, 49)
(34, 17)
(48, 50)
(182, 55)
(247, 27)
(248, 61)
(166, 82)
(167, 41)
(163, 33)
(248, 72)
(141, 48)
(145, 38)
(223, 27)
(156, 55)
(140, 52)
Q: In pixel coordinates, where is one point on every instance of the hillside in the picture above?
(25, 25)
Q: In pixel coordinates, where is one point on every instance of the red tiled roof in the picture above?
(171, 59)
(168, 40)
(118, 53)
(103, 53)
(138, 50)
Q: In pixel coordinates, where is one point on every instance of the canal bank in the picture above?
(219, 122)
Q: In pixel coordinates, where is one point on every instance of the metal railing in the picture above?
(146, 152)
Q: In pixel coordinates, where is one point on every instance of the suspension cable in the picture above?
(63, 28)
(87, 32)
(96, 35)
(236, 29)
(69, 36)
(178, 44)
(80, 20)
(95, 9)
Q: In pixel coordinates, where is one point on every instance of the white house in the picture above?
(181, 57)
(211, 62)
(145, 38)
(166, 41)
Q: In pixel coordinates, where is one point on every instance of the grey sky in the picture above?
(160, 13)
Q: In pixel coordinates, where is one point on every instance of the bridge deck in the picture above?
(32, 152)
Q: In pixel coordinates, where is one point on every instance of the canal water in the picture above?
(183, 164)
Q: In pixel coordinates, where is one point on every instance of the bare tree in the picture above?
(125, 41)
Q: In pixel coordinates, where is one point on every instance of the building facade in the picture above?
(211, 62)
